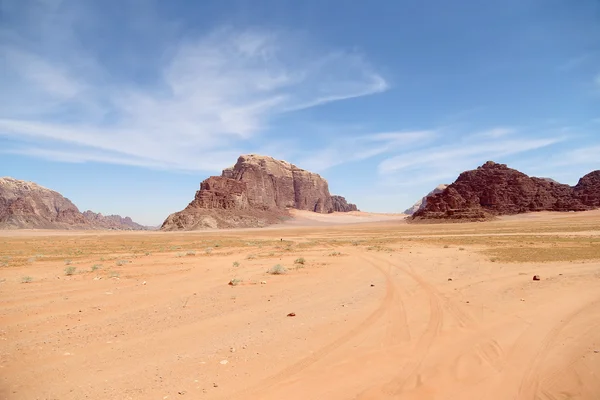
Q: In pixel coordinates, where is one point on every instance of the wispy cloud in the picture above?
(364, 147)
(449, 160)
(495, 133)
(215, 94)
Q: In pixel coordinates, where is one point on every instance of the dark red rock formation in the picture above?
(587, 189)
(26, 205)
(255, 192)
(341, 205)
(494, 189)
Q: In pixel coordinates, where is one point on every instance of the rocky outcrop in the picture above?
(255, 192)
(273, 183)
(587, 190)
(99, 221)
(494, 189)
(423, 202)
(341, 205)
(27, 205)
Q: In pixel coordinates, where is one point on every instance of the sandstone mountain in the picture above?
(423, 202)
(255, 192)
(27, 205)
(494, 189)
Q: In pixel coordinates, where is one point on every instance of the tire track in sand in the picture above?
(531, 382)
(386, 304)
(410, 369)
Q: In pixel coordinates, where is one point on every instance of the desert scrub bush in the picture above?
(208, 250)
(26, 279)
(250, 257)
(68, 262)
(355, 243)
(236, 264)
(121, 262)
(300, 260)
(180, 254)
(147, 253)
(335, 254)
(461, 248)
(96, 267)
(217, 245)
(235, 282)
(494, 259)
(114, 274)
(31, 260)
(190, 253)
(70, 270)
(446, 246)
(277, 270)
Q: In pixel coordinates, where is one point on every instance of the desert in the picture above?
(382, 309)
(299, 200)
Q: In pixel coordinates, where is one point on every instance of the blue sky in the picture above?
(125, 106)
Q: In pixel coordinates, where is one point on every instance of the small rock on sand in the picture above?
(291, 314)
(536, 277)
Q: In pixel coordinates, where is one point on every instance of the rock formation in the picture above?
(341, 205)
(100, 221)
(423, 202)
(587, 189)
(494, 189)
(255, 192)
(26, 205)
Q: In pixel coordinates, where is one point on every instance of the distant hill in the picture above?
(27, 205)
(494, 189)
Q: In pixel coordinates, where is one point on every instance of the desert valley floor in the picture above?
(381, 309)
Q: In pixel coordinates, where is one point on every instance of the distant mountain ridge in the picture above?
(27, 205)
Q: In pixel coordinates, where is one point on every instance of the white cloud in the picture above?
(364, 147)
(216, 93)
(495, 133)
(460, 156)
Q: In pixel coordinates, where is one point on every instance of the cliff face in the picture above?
(255, 192)
(494, 189)
(273, 183)
(27, 205)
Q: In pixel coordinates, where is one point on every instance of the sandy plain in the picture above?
(383, 310)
